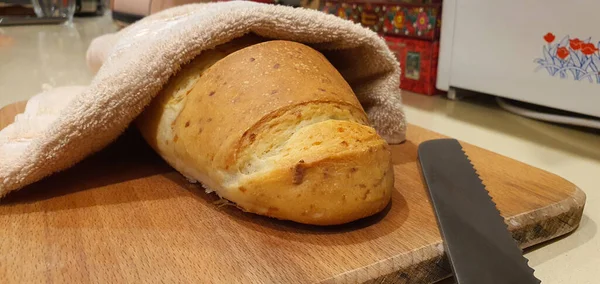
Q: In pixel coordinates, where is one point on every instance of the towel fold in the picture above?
(63, 126)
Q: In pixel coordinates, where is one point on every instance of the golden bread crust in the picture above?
(274, 128)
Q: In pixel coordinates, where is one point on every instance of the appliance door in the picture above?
(538, 51)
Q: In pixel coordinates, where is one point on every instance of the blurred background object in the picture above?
(546, 68)
(36, 58)
(16, 8)
(549, 57)
(125, 12)
(537, 55)
(90, 7)
(411, 29)
(54, 9)
(128, 11)
(311, 4)
(34, 12)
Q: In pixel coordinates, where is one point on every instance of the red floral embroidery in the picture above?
(399, 20)
(588, 49)
(575, 43)
(422, 21)
(549, 37)
(562, 52)
(571, 58)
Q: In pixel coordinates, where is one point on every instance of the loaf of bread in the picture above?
(274, 128)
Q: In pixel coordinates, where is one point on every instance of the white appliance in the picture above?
(543, 52)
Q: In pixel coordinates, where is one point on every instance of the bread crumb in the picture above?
(299, 170)
(223, 202)
(366, 194)
(207, 190)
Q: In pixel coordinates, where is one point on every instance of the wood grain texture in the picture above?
(7, 113)
(123, 215)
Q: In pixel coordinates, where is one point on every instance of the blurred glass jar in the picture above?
(90, 7)
(54, 8)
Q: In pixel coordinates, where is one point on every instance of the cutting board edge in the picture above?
(18, 108)
(552, 227)
(392, 269)
(558, 219)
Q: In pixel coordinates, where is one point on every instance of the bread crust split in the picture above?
(274, 128)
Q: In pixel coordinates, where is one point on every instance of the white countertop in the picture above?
(34, 58)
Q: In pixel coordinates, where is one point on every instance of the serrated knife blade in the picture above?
(479, 246)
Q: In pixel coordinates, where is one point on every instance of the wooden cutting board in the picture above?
(123, 215)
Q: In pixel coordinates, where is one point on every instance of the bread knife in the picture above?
(479, 247)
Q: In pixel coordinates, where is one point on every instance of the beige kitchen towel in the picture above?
(137, 61)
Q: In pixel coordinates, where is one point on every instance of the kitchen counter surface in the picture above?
(36, 58)
(39, 57)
